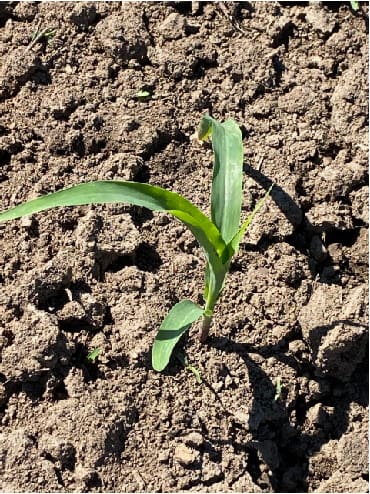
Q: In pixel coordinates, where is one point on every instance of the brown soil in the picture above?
(295, 305)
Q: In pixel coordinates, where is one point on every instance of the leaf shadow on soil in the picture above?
(270, 418)
(302, 226)
(281, 198)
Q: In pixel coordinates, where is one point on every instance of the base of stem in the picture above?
(204, 331)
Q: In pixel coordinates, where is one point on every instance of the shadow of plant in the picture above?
(270, 418)
(304, 230)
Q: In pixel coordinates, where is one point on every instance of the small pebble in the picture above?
(297, 346)
(173, 27)
(163, 457)
(27, 221)
(194, 439)
(218, 386)
(185, 455)
(228, 381)
(241, 417)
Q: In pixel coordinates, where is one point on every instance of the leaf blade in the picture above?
(173, 326)
(226, 195)
(233, 246)
(149, 196)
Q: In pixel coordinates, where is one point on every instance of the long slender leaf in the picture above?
(150, 196)
(219, 237)
(177, 321)
(226, 196)
(233, 246)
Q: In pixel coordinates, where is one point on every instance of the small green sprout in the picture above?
(355, 6)
(278, 388)
(46, 33)
(143, 95)
(195, 371)
(93, 355)
(185, 363)
(219, 236)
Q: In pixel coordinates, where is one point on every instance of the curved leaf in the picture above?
(173, 326)
(149, 196)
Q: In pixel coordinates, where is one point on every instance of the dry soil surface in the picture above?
(294, 310)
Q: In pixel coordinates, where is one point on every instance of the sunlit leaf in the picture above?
(149, 196)
(226, 196)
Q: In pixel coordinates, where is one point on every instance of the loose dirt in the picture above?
(294, 310)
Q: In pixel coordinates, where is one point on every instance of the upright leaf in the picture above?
(233, 246)
(226, 197)
(177, 321)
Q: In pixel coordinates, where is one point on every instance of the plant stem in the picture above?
(214, 286)
(204, 331)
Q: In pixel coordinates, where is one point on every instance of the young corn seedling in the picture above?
(219, 236)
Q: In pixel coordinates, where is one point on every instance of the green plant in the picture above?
(187, 366)
(278, 389)
(93, 354)
(143, 95)
(47, 34)
(219, 236)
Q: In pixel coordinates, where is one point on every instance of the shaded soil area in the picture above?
(283, 402)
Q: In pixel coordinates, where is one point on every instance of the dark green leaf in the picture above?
(226, 197)
(177, 321)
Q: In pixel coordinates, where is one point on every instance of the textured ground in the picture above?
(294, 309)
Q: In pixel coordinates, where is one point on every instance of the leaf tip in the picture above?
(205, 127)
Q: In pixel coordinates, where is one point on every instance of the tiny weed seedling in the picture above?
(93, 355)
(47, 34)
(278, 389)
(143, 95)
(187, 366)
(219, 236)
